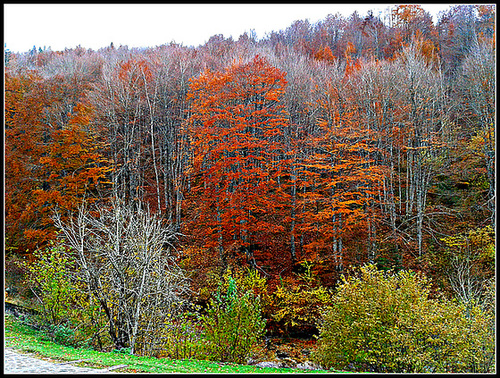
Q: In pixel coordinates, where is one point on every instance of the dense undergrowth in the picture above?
(22, 337)
(374, 321)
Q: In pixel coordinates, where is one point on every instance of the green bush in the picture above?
(232, 325)
(297, 307)
(65, 314)
(181, 339)
(386, 322)
(48, 277)
(245, 278)
(297, 302)
(64, 335)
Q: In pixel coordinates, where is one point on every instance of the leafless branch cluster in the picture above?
(126, 260)
(469, 285)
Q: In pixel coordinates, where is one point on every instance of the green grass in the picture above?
(24, 338)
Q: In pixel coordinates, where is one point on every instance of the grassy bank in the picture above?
(22, 337)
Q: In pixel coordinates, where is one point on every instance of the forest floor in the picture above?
(21, 339)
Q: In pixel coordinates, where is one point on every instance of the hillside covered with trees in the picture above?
(275, 165)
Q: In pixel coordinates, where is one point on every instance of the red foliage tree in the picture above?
(23, 133)
(339, 184)
(52, 160)
(72, 170)
(238, 187)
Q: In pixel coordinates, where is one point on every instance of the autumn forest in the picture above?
(313, 151)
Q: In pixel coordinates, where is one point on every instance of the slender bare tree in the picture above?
(126, 260)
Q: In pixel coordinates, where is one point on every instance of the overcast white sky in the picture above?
(61, 26)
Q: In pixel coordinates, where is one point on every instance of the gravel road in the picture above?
(16, 362)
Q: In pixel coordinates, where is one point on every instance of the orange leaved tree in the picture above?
(238, 189)
(24, 128)
(52, 159)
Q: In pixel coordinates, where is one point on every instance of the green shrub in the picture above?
(64, 335)
(245, 278)
(232, 325)
(297, 307)
(181, 338)
(48, 277)
(386, 322)
(66, 315)
(297, 302)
